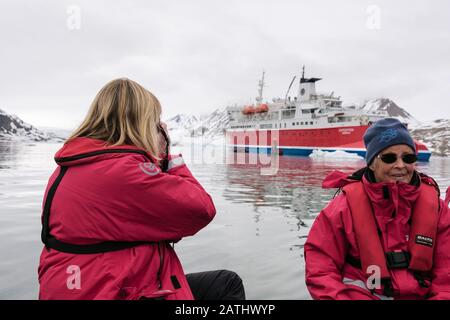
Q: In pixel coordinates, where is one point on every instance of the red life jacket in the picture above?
(422, 233)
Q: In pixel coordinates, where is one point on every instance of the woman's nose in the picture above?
(399, 163)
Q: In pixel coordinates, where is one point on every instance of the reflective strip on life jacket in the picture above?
(362, 285)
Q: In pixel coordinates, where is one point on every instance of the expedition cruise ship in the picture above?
(297, 126)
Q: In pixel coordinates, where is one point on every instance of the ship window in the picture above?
(310, 122)
(301, 123)
(293, 123)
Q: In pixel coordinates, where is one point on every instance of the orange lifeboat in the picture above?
(248, 110)
(262, 108)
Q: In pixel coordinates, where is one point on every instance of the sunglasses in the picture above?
(389, 158)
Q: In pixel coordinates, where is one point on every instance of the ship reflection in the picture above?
(295, 189)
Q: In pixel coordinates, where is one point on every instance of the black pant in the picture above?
(216, 285)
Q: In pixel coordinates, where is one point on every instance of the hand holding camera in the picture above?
(164, 145)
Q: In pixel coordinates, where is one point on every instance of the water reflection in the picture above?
(296, 187)
(9, 151)
(297, 184)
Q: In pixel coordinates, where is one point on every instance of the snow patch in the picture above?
(338, 154)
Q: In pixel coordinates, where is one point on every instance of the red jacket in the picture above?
(120, 197)
(329, 275)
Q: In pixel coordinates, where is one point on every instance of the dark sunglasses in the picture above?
(389, 158)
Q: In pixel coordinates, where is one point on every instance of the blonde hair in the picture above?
(123, 112)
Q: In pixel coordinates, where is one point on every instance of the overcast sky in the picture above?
(196, 56)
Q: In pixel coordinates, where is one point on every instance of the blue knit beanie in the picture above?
(383, 134)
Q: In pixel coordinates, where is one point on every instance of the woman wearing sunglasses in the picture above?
(116, 203)
(387, 234)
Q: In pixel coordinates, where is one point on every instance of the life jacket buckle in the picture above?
(398, 259)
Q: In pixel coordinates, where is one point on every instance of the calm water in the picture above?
(261, 224)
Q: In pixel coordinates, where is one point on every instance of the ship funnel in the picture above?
(307, 87)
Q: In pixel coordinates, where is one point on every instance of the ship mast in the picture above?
(260, 89)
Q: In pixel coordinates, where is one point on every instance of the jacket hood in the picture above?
(337, 179)
(381, 193)
(85, 150)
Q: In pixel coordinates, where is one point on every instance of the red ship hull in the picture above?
(304, 141)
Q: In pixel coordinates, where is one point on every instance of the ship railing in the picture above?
(257, 117)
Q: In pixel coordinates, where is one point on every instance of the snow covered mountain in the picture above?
(182, 121)
(11, 127)
(215, 123)
(208, 126)
(385, 104)
(435, 134)
(58, 132)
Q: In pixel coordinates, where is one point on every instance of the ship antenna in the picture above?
(303, 73)
(260, 90)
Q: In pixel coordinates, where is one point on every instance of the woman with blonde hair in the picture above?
(116, 202)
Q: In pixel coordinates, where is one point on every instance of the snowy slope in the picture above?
(385, 104)
(57, 132)
(208, 126)
(435, 134)
(11, 127)
(185, 128)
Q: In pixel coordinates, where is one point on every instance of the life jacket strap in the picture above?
(388, 290)
(398, 260)
(423, 279)
(354, 262)
(51, 242)
(394, 260)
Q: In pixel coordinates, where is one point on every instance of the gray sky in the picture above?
(196, 56)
